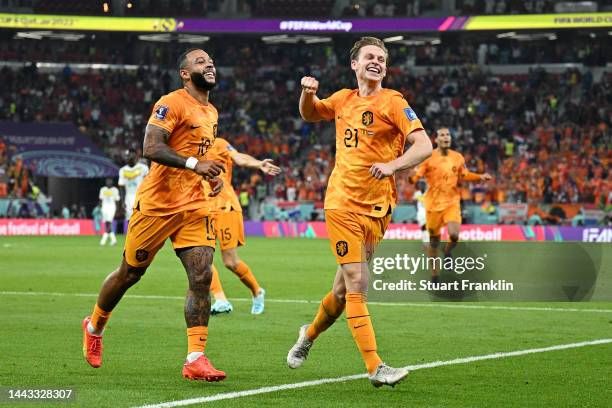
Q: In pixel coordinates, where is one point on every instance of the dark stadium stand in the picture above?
(545, 136)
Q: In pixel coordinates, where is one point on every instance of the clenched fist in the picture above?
(309, 85)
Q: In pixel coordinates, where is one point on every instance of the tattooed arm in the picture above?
(155, 148)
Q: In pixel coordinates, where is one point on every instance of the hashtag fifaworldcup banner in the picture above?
(468, 232)
(46, 227)
(361, 25)
(57, 150)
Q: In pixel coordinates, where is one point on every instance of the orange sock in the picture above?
(215, 284)
(99, 318)
(246, 276)
(329, 310)
(358, 319)
(196, 338)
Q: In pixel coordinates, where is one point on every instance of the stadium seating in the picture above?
(516, 126)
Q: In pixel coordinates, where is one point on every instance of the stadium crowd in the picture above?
(452, 50)
(546, 137)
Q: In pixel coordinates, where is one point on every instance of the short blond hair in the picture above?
(364, 41)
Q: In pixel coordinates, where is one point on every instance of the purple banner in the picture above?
(469, 232)
(315, 26)
(57, 150)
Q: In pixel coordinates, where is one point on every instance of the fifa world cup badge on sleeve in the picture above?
(410, 114)
(161, 112)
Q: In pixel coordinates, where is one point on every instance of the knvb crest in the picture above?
(341, 248)
(367, 118)
(142, 255)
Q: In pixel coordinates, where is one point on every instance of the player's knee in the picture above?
(231, 264)
(339, 290)
(339, 293)
(434, 241)
(200, 278)
(132, 275)
(454, 237)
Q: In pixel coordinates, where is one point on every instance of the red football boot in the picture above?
(92, 346)
(202, 369)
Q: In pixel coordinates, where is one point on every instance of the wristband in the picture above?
(191, 163)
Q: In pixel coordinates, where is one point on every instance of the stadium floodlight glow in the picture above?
(39, 35)
(506, 35)
(129, 4)
(192, 39)
(275, 38)
(394, 39)
(535, 36)
(294, 39)
(155, 37)
(105, 7)
(318, 40)
(32, 35)
(436, 42)
(169, 37)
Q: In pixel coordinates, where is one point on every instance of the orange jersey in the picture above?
(369, 130)
(227, 200)
(443, 174)
(193, 129)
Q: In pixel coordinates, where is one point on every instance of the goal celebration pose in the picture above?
(372, 125)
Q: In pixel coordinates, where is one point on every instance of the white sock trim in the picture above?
(93, 331)
(193, 356)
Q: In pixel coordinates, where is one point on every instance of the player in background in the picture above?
(170, 203)
(109, 195)
(372, 126)
(130, 177)
(230, 226)
(444, 171)
(419, 197)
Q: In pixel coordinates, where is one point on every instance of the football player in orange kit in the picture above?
(170, 204)
(229, 226)
(443, 171)
(372, 125)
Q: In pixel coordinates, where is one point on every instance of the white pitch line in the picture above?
(304, 301)
(433, 364)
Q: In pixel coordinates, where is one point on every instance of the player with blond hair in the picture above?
(372, 125)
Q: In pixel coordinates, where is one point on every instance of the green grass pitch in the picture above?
(145, 342)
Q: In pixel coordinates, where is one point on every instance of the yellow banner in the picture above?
(56, 22)
(521, 22)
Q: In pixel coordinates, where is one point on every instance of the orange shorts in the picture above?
(438, 219)
(146, 234)
(230, 229)
(353, 237)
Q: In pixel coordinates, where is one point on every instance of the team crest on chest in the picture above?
(367, 118)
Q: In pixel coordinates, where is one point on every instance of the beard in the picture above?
(201, 83)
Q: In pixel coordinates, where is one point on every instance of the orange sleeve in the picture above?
(167, 113)
(223, 147)
(420, 172)
(403, 116)
(469, 176)
(327, 107)
(466, 175)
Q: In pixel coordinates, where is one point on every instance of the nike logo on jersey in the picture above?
(195, 126)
